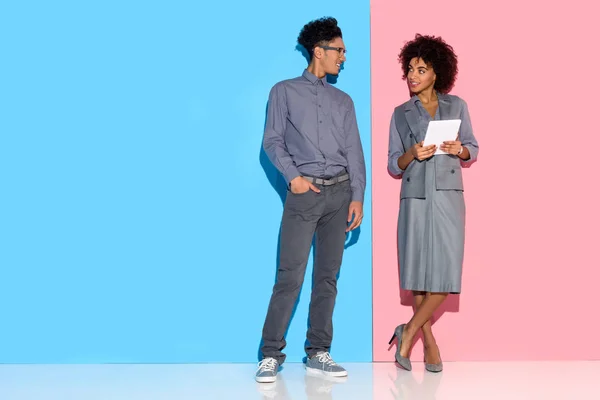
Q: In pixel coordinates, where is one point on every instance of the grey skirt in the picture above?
(431, 239)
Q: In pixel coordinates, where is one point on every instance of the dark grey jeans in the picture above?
(324, 214)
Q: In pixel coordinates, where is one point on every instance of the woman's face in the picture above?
(420, 76)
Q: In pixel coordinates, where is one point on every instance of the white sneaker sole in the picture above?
(266, 379)
(320, 372)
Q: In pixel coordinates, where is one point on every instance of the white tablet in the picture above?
(440, 131)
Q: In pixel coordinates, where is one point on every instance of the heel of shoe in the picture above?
(392, 339)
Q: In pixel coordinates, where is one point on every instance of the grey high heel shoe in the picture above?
(403, 361)
(434, 367)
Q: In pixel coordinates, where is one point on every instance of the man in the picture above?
(311, 136)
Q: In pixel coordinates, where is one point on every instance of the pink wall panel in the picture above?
(529, 73)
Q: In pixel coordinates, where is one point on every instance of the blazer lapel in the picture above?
(412, 117)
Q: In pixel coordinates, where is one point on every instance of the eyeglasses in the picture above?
(340, 50)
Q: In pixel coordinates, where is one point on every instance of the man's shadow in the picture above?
(280, 186)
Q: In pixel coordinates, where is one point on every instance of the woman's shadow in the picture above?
(451, 304)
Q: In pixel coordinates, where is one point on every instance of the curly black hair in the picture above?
(319, 32)
(436, 52)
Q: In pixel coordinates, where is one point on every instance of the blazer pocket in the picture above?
(413, 181)
(448, 177)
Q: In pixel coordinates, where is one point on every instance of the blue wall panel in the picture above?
(138, 217)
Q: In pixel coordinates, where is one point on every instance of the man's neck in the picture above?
(316, 70)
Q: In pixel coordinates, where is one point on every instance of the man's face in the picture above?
(334, 56)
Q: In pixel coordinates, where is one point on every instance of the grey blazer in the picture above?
(405, 132)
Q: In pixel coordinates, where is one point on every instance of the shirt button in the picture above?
(319, 106)
(452, 171)
(320, 122)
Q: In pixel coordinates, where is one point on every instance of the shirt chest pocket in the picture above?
(337, 119)
(337, 130)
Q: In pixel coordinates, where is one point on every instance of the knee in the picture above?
(325, 284)
(288, 281)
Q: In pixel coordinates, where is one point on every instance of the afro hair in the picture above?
(436, 52)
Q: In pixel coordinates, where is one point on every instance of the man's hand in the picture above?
(300, 185)
(356, 211)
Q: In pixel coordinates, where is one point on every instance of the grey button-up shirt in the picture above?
(311, 130)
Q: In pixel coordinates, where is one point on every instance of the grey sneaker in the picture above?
(267, 370)
(322, 363)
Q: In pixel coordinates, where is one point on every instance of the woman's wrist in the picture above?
(463, 153)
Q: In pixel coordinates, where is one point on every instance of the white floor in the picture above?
(461, 381)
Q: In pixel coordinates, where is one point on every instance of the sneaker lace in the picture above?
(268, 364)
(325, 358)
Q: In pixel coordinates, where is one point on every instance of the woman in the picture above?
(431, 223)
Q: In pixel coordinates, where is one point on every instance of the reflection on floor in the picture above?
(461, 381)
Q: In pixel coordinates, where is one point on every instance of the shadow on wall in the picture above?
(451, 304)
(279, 185)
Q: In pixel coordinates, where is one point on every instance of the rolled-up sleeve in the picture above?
(273, 139)
(395, 148)
(465, 135)
(354, 154)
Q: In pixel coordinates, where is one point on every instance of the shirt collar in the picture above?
(313, 79)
